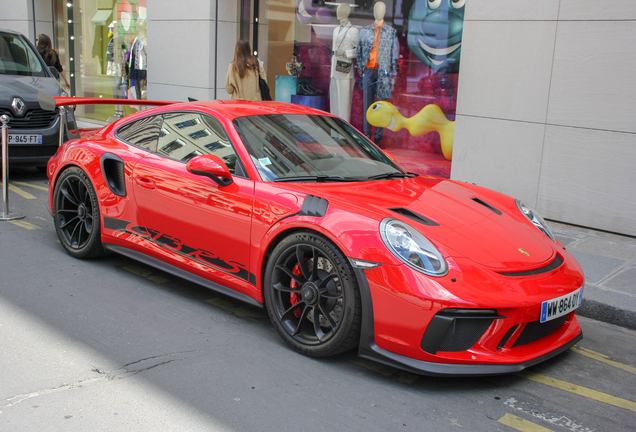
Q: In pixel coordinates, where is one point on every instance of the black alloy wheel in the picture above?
(76, 214)
(312, 296)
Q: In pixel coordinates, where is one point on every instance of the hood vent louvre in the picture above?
(414, 216)
(488, 206)
(556, 263)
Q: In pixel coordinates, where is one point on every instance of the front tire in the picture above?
(312, 297)
(76, 214)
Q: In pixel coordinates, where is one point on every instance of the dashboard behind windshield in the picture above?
(309, 146)
(17, 57)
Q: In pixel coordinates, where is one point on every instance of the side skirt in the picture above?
(169, 268)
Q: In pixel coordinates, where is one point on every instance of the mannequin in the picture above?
(138, 60)
(345, 41)
(378, 51)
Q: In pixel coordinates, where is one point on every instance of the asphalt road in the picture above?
(114, 345)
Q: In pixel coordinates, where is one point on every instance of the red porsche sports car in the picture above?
(294, 210)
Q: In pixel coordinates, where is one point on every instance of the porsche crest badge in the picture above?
(523, 252)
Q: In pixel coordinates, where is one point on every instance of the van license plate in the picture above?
(25, 139)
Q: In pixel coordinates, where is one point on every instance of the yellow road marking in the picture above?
(147, 274)
(581, 391)
(521, 425)
(602, 358)
(31, 185)
(232, 308)
(21, 192)
(25, 224)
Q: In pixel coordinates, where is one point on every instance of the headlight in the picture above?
(412, 248)
(535, 219)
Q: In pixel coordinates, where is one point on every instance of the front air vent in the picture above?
(488, 206)
(455, 330)
(536, 330)
(36, 118)
(553, 265)
(504, 339)
(414, 216)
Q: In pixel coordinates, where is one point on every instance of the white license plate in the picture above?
(551, 309)
(25, 139)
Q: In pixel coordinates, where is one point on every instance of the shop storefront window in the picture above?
(103, 44)
(321, 54)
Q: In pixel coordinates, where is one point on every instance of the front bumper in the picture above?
(35, 154)
(399, 317)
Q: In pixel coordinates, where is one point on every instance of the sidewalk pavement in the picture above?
(608, 260)
(609, 264)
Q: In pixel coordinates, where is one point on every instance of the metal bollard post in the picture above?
(6, 215)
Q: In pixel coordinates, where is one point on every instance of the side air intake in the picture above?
(113, 169)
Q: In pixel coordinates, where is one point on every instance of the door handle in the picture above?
(145, 183)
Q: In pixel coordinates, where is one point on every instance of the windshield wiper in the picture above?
(318, 178)
(391, 175)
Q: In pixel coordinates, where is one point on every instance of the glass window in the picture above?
(290, 146)
(318, 53)
(143, 133)
(103, 49)
(17, 57)
(189, 134)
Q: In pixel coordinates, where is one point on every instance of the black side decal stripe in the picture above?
(174, 245)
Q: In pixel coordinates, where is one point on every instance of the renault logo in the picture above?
(524, 252)
(19, 107)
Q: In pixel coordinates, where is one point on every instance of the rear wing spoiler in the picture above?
(49, 103)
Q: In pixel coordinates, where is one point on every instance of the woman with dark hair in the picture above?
(50, 56)
(242, 76)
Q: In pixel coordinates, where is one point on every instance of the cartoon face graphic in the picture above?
(435, 33)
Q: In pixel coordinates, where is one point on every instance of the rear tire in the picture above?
(312, 297)
(76, 214)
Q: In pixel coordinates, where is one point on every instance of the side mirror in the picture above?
(210, 166)
(390, 155)
(55, 72)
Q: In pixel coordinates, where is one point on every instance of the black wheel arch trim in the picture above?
(369, 350)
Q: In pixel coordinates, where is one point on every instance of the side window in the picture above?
(185, 135)
(142, 133)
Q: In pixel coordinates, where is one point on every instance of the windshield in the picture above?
(17, 57)
(295, 147)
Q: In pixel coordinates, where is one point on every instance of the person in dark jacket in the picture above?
(50, 56)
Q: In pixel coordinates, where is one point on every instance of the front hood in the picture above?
(498, 237)
(26, 87)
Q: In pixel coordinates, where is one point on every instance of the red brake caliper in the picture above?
(295, 297)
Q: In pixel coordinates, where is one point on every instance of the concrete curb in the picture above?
(608, 314)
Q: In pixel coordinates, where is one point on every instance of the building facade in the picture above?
(541, 108)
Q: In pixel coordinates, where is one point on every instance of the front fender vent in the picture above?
(314, 206)
(414, 216)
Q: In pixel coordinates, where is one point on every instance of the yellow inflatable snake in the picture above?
(429, 119)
